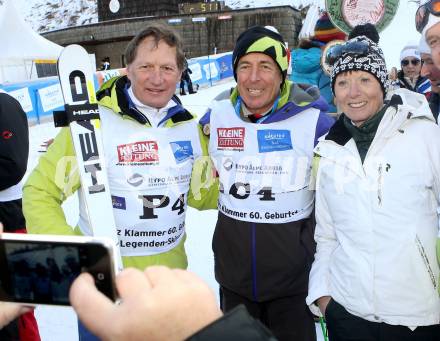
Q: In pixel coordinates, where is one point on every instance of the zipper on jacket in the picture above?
(426, 261)
(379, 185)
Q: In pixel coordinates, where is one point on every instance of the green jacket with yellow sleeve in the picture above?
(56, 177)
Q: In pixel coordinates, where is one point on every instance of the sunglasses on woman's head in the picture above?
(351, 48)
(406, 62)
(422, 14)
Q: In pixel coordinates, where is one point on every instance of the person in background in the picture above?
(427, 23)
(409, 76)
(306, 60)
(394, 81)
(261, 140)
(375, 273)
(105, 64)
(393, 73)
(14, 151)
(186, 78)
(430, 71)
(427, 20)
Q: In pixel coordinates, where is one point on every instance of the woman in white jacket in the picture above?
(375, 274)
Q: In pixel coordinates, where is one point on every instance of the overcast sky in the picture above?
(400, 31)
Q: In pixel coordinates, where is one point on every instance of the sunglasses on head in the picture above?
(422, 14)
(406, 62)
(352, 48)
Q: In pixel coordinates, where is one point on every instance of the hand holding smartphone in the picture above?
(39, 269)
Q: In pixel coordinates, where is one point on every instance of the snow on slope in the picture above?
(48, 15)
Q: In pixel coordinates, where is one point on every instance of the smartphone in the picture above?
(39, 269)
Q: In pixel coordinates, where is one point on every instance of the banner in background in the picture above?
(51, 97)
(211, 68)
(196, 70)
(22, 95)
(211, 71)
(40, 97)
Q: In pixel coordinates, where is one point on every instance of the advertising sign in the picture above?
(51, 97)
(22, 95)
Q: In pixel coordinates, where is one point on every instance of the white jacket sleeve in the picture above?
(325, 238)
(434, 152)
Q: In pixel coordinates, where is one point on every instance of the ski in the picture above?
(75, 73)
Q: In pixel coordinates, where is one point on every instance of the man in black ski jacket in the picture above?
(186, 78)
(261, 138)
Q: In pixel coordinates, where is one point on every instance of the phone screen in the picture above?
(42, 272)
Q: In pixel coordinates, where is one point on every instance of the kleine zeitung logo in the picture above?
(143, 152)
(230, 138)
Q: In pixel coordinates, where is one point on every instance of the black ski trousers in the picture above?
(288, 318)
(343, 326)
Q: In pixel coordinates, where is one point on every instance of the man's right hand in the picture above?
(322, 303)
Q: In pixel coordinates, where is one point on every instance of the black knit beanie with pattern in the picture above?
(373, 61)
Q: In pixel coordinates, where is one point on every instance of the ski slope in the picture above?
(59, 323)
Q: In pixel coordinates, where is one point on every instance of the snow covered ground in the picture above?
(59, 323)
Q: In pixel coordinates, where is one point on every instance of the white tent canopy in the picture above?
(21, 46)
